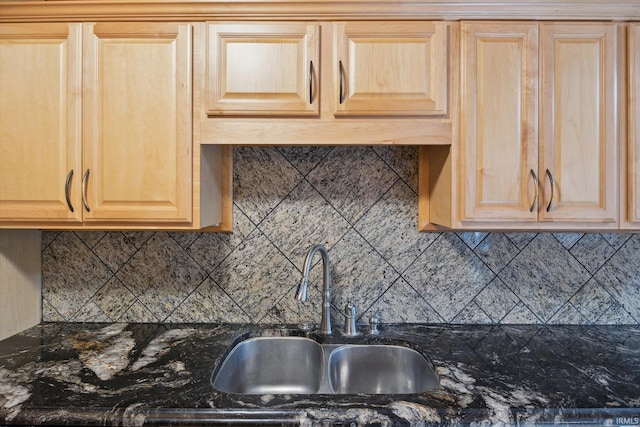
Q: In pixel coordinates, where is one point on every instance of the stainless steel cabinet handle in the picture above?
(341, 71)
(552, 182)
(67, 189)
(535, 183)
(85, 178)
(310, 82)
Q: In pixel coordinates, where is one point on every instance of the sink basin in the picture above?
(379, 369)
(276, 365)
(297, 365)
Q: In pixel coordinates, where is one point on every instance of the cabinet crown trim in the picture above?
(142, 10)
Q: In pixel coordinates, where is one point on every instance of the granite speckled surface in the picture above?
(159, 374)
(361, 203)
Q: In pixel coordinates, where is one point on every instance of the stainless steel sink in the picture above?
(277, 365)
(297, 365)
(379, 369)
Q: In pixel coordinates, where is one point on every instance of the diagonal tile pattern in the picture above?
(496, 300)
(402, 304)
(295, 214)
(448, 275)
(544, 276)
(390, 227)
(262, 177)
(361, 203)
(161, 275)
(256, 275)
(359, 272)
(352, 180)
(69, 288)
(622, 275)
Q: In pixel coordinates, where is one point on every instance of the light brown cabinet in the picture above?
(579, 121)
(327, 83)
(137, 122)
(100, 133)
(263, 69)
(499, 126)
(391, 68)
(40, 122)
(539, 126)
(630, 179)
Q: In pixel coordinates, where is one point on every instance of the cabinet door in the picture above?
(40, 122)
(137, 122)
(578, 122)
(391, 68)
(263, 69)
(498, 133)
(633, 153)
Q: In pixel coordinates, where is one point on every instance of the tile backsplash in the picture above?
(361, 203)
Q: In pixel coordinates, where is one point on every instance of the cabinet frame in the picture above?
(327, 128)
(49, 139)
(140, 201)
(294, 49)
(558, 39)
(204, 177)
(367, 87)
(516, 199)
(630, 170)
(439, 167)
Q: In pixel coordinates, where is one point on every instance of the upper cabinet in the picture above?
(579, 121)
(539, 131)
(40, 122)
(263, 69)
(333, 83)
(499, 122)
(96, 123)
(137, 122)
(630, 179)
(391, 68)
(381, 68)
(526, 122)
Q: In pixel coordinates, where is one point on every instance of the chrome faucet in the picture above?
(301, 294)
(350, 327)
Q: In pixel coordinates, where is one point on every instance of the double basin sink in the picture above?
(300, 365)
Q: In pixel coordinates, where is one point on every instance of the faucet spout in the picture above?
(301, 294)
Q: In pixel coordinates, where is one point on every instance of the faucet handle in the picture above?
(350, 328)
(374, 321)
(350, 309)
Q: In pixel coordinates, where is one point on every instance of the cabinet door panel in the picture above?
(138, 122)
(392, 69)
(579, 122)
(499, 122)
(263, 69)
(633, 161)
(40, 122)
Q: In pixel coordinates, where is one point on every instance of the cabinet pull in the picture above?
(552, 182)
(310, 82)
(341, 79)
(67, 189)
(535, 183)
(85, 178)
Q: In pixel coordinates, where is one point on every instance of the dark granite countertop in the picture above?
(135, 374)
